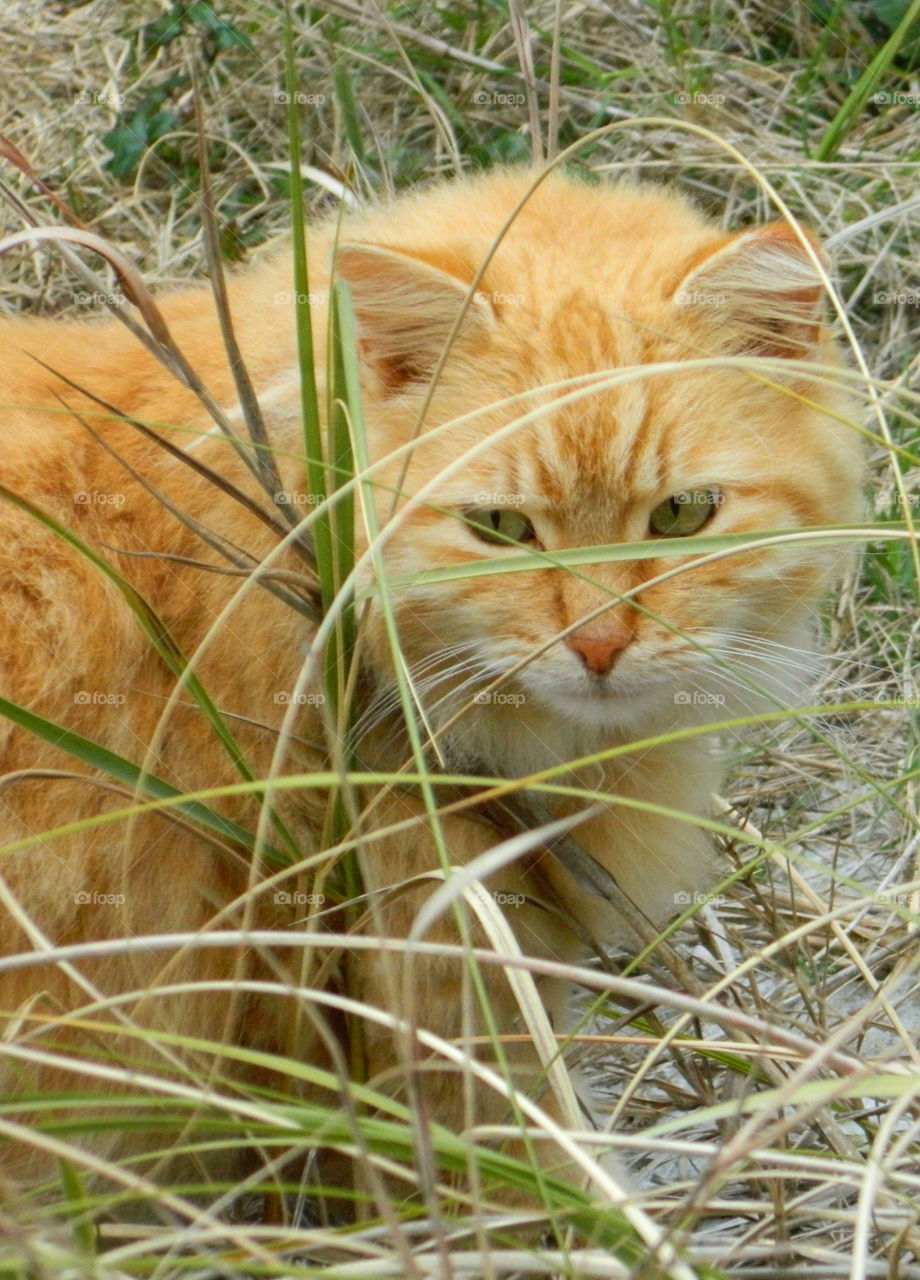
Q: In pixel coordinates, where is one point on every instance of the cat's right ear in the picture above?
(762, 291)
(406, 310)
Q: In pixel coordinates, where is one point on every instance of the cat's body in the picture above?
(586, 280)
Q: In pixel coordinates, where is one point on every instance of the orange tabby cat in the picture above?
(521, 447)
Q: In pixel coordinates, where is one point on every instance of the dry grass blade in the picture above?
(522, 42)
(13, 156)
(249, 403)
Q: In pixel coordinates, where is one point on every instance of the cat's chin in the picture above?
(648, 708)
(600, 706)
(620, 714)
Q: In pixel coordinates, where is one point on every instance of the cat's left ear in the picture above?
(406, 308)
(762, 290)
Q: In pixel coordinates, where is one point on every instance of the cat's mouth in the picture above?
(600, 699)
(630, 693)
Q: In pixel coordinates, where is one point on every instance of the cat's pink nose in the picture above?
(599, 653)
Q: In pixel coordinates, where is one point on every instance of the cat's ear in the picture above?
(406, 308)
(761, 290)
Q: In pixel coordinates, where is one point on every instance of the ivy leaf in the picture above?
(163, 30)
(134, 134)
(224, 34)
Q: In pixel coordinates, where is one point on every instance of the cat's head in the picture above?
(620, 375)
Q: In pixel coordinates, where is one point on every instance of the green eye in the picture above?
(684, 513)
(501, 525)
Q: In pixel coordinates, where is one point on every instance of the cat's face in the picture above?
(525, 449)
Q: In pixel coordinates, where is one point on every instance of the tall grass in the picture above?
(759, 1055)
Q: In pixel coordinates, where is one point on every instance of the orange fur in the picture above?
(587, 280)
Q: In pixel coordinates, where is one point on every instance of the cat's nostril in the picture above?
(600, 654)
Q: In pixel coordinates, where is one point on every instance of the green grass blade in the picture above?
(340, 514)
(342, 79)
(672, 549)
(121, 770)
(75, 1207)
(309, 400)
(856, 99)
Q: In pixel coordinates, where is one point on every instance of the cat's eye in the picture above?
(685, 512)
(500, 525)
